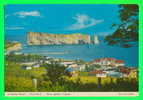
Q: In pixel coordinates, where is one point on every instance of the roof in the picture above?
(107, 59)
(119, 61)
(124, 70)
(101, 59)
(97, 72)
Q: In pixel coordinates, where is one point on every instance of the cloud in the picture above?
(14, 28)
(23, 14)
(83, 21)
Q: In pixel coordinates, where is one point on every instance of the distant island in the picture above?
(38, 38)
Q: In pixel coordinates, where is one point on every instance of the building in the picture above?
(81, 67)
(112, 62)
(67, 63)
(72, 65)
(47, 58)
(119, 63)
(124, 71)
(28, 63)
(73, 71)
(26, 67)
(98, 73)
(36, 65)
(47, 62)
(18, 53)
(114, 74)
(129, 72)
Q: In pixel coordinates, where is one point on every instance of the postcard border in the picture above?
(5, 2)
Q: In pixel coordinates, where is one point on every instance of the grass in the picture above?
(93, 79)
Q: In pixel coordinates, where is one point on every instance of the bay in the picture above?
(85, 52)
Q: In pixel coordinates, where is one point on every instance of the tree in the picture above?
(55, 72)
(18, 84)
(127, 31)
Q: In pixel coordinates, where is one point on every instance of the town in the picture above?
(101, 67)
(32, 72)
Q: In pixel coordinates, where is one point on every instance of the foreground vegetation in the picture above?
(53, 78)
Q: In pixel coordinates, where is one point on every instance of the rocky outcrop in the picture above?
(13, 46)
(36, 38)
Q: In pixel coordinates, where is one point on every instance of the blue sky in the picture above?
(86, 19)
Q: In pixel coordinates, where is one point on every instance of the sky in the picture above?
(61, 18)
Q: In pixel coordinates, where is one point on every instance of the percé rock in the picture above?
(36, 38)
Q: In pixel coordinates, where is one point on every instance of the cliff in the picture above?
(36, 38)
(12, 46)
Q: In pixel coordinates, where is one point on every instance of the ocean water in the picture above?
(85, 52)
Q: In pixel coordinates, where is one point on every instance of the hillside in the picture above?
(12, 46)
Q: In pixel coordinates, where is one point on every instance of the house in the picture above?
(114, 74)
(17, 53)
(47, 62)
(28, 63)
(41, 61)
(119, 63)
(67, 63)
(112, 62)
(103, 61)
(47, 58)
(98, 73)
(124, 71)
(36, 65)
(72, 65)
(25, 54)
(26, 67)
(73, 71)
(81, 67)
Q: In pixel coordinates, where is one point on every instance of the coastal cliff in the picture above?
(36, 38)
(12, 46)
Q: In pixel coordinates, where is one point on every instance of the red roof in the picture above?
(124, 70)
(101, 59)
(97, 60)
(119, 61)
(107, 59)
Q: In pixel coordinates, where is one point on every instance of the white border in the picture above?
(70, 94)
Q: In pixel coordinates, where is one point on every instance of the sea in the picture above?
(85, 52)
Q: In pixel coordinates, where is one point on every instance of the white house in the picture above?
(36, 65)
(72, 65)
(28, 63)
(81, 67)
(98, 73)
(17, 53)
(101, 75)
(119, 63)
(67, 63)
(27, 67)
(108, 62)
(48, 62)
